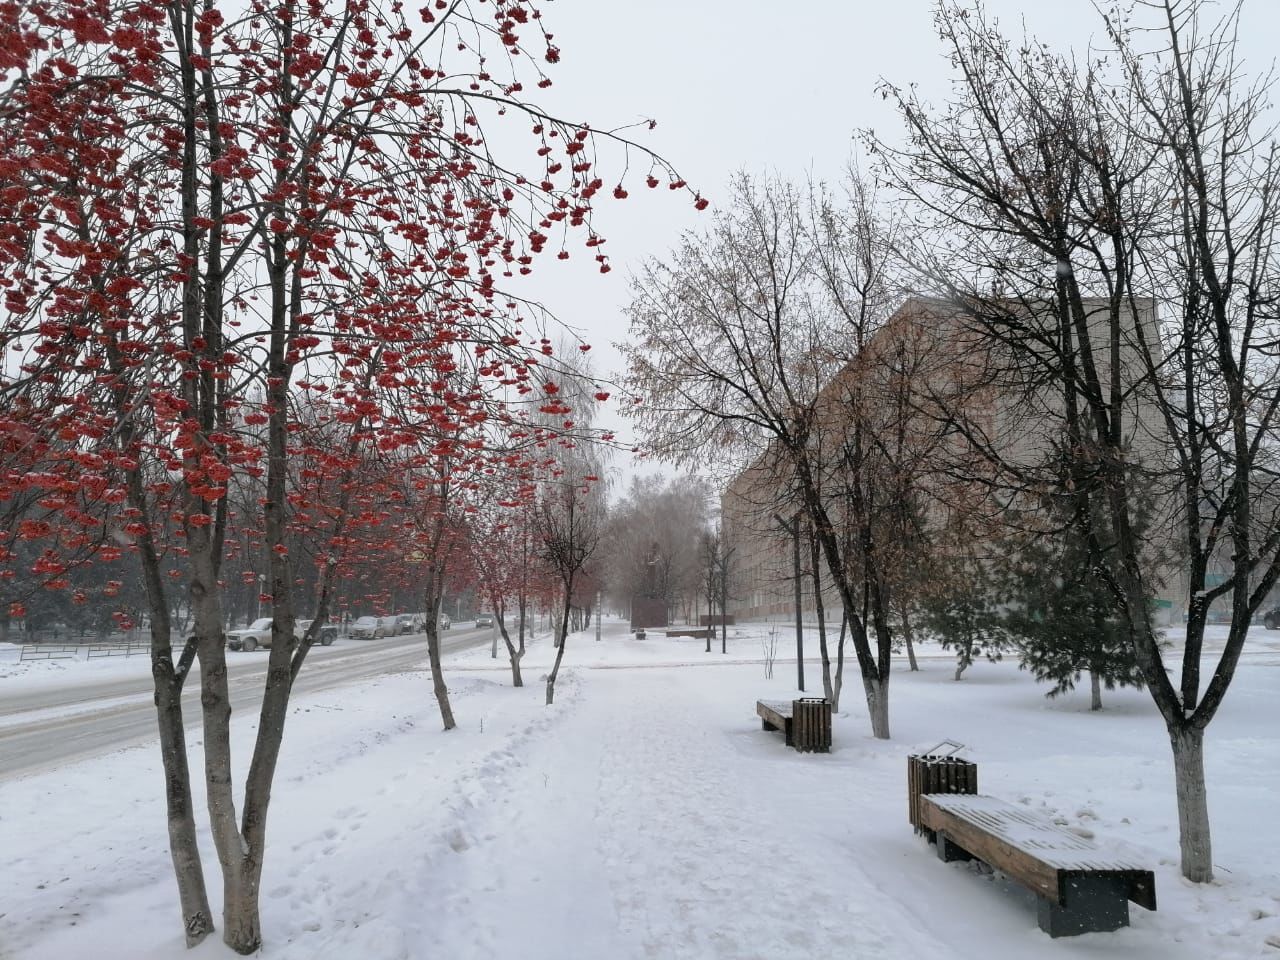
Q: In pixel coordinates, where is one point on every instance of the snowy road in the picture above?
(47, 726)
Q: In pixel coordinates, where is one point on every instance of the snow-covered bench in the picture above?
(1079, 887)
(805, 723)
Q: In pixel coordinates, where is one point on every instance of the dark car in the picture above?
(484, 620)
(1271, 619)
(325, 636)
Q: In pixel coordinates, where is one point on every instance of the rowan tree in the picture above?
(201, 211)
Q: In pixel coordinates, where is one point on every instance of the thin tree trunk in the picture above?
(524, 609)
(1193, 803)
(724, 621)
(241, 910)
(908, 635)
(437, 675)
(188, 869)
(555, 668)
(710, 618)
(197, 918)
(837, 683)
(815, 560)
(240, 930)
(514, 655)
(1095, 689)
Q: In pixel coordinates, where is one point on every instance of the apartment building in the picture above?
(933, 385)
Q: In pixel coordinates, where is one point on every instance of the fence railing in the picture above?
(93, 651)
(48, 651)
(117, 649)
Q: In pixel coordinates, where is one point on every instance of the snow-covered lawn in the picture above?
(647, 815)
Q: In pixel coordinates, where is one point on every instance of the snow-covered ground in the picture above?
(647, 815)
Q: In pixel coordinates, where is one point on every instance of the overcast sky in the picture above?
(757, 86)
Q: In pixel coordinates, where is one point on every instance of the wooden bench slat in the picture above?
(1034, 851)
(1029, 831)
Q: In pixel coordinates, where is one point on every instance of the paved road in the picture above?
(45, 728)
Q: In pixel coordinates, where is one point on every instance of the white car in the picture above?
(257, 634)
(367, 628)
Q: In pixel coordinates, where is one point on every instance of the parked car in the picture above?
(250, 638)
(367, 628)
(1271, 619)
(407, 623)
(445, 622)
(327, 634)
(484, 620)
(390, 626)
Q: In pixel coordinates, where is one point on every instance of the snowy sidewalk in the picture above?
(655, 824)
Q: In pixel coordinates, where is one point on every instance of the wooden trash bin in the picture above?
(934, 772)
(811, 725)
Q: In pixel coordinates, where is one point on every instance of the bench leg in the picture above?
(948, 851)
(766, 725)
(1093, 905)
(786, 733)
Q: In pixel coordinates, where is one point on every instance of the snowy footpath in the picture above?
(647, 815)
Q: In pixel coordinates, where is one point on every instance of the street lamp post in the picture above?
(597, 616)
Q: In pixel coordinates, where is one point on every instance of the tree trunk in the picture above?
(908, 635)
(1193, 803)
(197, 918)
(964, 658)
(514, 655)
(242, 923)
(878, 706)
(524, 609)
(837, 682)
(555, 667)
(437, 675)
(815, 560)
(1095, 689)
(795, 576)
(710, 619)
(215, 704)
